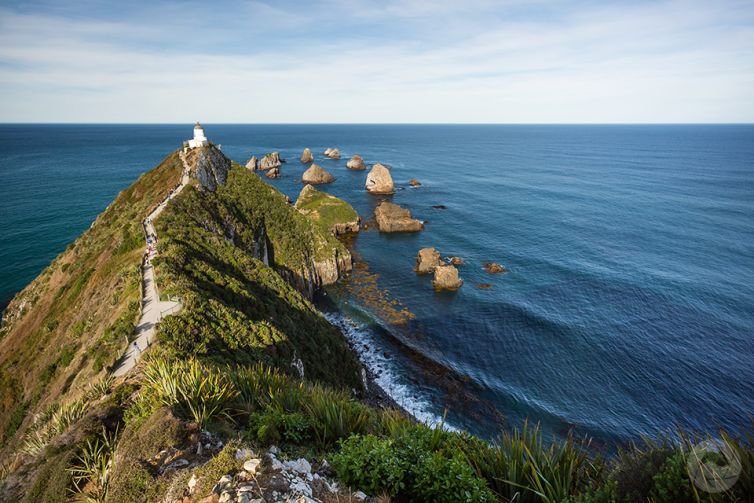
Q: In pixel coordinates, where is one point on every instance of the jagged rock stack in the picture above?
(356, 163)
(316, 175)
(332, 153)
(270, 161)
(379, 180)
(427, 260)
(252, 164)
(392, 218)
(446, 278)
(273, 172)
(306, 156)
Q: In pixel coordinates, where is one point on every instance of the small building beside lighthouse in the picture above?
(199, 139)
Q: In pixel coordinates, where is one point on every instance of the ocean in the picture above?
(628, 308)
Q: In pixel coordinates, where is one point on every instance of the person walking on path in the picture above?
(136, 347)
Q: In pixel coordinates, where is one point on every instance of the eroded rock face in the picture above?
(270, 161)
(379, 180)
(392, 218)
(252, 164)
(316, 175)
(209, 166)
(356, 163)
(307, 156)
(427, 260)
(446, 278)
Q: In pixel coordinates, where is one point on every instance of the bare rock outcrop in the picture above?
(393, 218)
(455, 260)
(252, 164)
(316, 175)
(427, 260)
(356, 163)
(379, 180)
(332, 153)
(270, 161)
(208, 166)
(273, 172)
(446, 278)
(306, 156)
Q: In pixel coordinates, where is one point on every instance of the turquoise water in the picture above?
(629, 305)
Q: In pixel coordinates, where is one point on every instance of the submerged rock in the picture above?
(306, 156)
(316, 175)
(455, 260)
(484, 286)
(379, 180)
(446, 278)
(356, 163)
(270, 161)
(493, 268)
(393, 218)
(414, 182)
(252, 164)
(427, 260)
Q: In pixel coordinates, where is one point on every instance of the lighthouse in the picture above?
(199, 139)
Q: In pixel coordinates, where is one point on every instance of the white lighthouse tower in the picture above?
(199, 139)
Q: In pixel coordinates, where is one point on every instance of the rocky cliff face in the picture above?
(209, 166)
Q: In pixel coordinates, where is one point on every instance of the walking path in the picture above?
(152, 308)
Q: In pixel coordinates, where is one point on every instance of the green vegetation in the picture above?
(326, 210)
(92, 468)
(235, 308)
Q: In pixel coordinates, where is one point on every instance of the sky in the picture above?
(390, 61)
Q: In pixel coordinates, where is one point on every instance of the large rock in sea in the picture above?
(270, 161)
(446, 278)
(252, 164)
(379, 180)
(316, 175)
(327, 211)
(392, 218)
(306, 156)
(494, 268)
(356, 163)
(332, 153)
(209, 166)
(427, 260)
(272, 173)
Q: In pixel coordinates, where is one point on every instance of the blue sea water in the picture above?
(629, 305)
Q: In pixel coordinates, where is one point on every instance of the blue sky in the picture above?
(504, 61)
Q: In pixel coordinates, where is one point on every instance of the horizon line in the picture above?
(52, 123)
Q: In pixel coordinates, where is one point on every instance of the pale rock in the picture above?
(379, 180)
(393, 218)
(252, 164)
(356, 163)
(427, 260)
(300, 465)
(446, 278)
(306, 156)
(359, 495)
(252, 465)
(316, 175)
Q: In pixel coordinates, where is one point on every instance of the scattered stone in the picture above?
(359, 495)
(272, 173)
(252, 465)
(252, 164)
(393, 218)
(484, 286)
(356, 163)
(316, 175)
(300, 466)
(493, 268)
(414, 182)
(379, 180)
(273, 450)
(192, 483)
(270, 161)
(446, 278)
(427, 260)
(455, 260)
(306, 156)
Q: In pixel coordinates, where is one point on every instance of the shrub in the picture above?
(274, 424)
(371, 464)
(335, 416)
(92, 468)
(196, 391)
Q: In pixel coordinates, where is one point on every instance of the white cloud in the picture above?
(668, 62)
